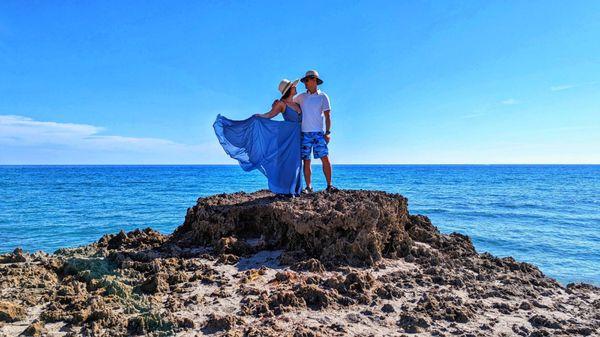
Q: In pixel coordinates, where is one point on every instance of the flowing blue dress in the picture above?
(272, 147)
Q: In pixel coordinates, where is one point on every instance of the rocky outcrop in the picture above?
(325, 264)
(349, 227)
(15, 256)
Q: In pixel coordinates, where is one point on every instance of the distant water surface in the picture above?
(548, 215)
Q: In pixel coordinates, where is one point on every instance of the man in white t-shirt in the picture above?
(315, 137)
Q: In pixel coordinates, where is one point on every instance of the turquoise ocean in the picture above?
(548, 215)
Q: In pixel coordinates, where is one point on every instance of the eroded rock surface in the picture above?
(347, 227)
(326, 264)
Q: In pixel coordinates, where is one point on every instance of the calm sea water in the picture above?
(548, 215)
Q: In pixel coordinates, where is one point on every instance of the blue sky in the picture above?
(126, 82)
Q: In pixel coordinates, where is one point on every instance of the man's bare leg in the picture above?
(307, 172)
(326, 169)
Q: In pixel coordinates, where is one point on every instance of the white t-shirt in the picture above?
(313, 106)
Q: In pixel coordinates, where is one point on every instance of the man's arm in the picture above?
(297, 99)
(326, 108)
(327, 125)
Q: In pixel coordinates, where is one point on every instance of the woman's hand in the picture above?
(258, 115)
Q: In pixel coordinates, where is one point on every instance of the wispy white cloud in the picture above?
(509, 101)
(567, 128)
(488, 108)
(562, 87)
(83, 142)
(473, 115)
(20, 130)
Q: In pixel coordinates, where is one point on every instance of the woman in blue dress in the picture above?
(272, 147)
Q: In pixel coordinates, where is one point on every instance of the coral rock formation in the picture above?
(350, 227)
(326, 264)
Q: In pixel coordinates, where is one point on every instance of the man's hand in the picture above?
(327, 138)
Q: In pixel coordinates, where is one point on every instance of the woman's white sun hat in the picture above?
(286, 84)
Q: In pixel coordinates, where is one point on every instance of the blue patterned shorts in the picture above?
(314, 141)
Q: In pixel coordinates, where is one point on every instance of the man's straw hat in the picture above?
(312, 73)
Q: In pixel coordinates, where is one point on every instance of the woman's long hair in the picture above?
(287, 93)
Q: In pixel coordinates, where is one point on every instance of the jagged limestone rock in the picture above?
(344, 227)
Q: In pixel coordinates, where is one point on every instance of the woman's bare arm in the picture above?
(276, 109)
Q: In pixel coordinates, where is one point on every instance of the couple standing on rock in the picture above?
(279, 149)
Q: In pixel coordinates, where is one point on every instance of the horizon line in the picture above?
(335, 164)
